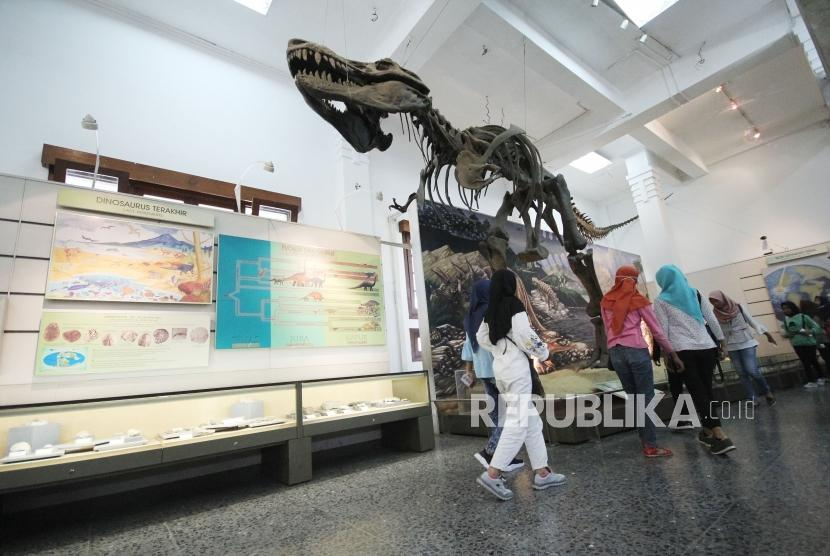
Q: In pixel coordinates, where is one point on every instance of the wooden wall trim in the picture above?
(167, 178)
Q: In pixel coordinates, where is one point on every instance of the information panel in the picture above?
(75, 342)
(276, 295)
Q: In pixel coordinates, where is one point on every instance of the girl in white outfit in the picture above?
(507, 334)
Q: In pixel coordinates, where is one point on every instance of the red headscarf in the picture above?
(623, 297)
(725, 307)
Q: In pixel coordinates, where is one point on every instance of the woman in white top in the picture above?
(737, 325)
(684, 315)
(507, 334)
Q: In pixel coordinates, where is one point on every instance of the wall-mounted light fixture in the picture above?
(267, 166)
(91, 124)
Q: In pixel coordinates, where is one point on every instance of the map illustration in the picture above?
(276, 295)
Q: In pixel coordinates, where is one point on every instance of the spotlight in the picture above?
(624, 24)
(733, 105)
(719, 89)
(644, 38)
(89, 123)
(757, 134)
(765, 246)
(594, 3)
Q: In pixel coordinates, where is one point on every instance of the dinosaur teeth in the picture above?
(317, 58)
(303, 53)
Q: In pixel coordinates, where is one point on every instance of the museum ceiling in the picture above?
(564, 71)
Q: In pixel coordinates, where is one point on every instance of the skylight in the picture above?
(643, 11)
(259, 6)
(590, 163)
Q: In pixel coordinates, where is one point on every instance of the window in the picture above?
(86, 179)
(271, 213)
(259, 6)
(409, 269)
(412, 304)
(415, 342)
(75, 167)
(643, 11)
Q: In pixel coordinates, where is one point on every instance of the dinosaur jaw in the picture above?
(354, 96)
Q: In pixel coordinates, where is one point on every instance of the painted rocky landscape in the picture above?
(553, 295)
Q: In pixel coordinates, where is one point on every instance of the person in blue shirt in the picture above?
(479, 366)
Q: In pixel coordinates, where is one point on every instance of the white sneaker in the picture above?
(497, 487)
(810, 385)
(550, 480)
(820, 382)
(484, 459)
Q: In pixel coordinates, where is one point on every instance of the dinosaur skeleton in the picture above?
(354, 96)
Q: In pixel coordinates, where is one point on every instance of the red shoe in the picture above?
(654, 452)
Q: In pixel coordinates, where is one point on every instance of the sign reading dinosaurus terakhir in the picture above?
(128, 205)
(277, 295)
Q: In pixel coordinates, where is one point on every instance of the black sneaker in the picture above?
(483, 458)
(705, 439)
(721, 446)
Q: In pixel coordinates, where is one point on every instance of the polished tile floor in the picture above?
(771, 496)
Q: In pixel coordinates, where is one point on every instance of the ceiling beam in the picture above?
(744, 46)
(671, 148)
(422, 29)
(572, 75)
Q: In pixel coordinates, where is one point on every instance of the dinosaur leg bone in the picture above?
(582, 265)
(494, 248)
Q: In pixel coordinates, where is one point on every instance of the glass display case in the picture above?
(328, 400)
(143, 431)
(399, 404)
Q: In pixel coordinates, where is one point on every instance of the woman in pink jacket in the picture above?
(623, 308)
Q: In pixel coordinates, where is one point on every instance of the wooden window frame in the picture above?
(409, 271)
(58, 172)
(135, 178)
(414, 334)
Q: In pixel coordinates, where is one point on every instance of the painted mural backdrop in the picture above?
(274, 295)
(449, 243)
(801, 279)
(96, 258)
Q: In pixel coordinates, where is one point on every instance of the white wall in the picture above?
(779, 189)
(158, 102)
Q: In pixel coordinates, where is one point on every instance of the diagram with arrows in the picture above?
(275, 295)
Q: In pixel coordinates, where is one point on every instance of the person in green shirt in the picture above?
(801, 331)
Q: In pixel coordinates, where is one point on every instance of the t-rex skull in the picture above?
(369, 92)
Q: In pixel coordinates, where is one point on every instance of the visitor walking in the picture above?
(683, 315)
(737, 324)
(623, 309)
(506, 333)
(479, 365)
(801, 331)
(814, 311)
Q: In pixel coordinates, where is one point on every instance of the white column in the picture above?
(645, 182)
(354, 205)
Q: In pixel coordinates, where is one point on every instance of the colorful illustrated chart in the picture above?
(95, 258)
(276, 295)
(74, 342)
